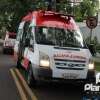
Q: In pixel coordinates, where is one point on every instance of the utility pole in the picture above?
(91, 31)
(74, 7)
(51, 5)
(54, 5)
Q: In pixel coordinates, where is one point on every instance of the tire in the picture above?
(30, 78)
(91, 80)
(91, 77)
(4, 51)
(11, 52)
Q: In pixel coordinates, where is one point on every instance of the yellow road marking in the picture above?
(21, 92)
(28, 90)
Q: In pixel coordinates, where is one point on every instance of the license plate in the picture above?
(69, 76)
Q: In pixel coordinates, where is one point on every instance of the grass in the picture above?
(97, 65)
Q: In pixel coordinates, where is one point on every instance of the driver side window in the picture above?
(29, 37)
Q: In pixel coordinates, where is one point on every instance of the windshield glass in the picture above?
(59, 37)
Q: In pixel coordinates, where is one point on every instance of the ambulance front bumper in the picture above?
(43, 73)
(47, 74)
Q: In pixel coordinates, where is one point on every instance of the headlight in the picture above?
(44, 60)
(91, 64)
(44, 63)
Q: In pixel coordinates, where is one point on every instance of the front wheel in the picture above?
(4, 51)
(91, 77)
(30, 78)
(91, 80)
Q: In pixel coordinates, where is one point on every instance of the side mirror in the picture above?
(92, 49)
(27, 42)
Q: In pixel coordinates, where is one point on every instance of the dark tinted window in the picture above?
(59, 37)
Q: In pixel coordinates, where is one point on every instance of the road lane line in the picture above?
(28, 90)
(21, 92)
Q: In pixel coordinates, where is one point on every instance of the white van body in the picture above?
(9, 42)
(46, 60)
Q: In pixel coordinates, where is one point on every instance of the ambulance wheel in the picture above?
(30, 78)
(91, 77)
(91, 80)
(4, 51)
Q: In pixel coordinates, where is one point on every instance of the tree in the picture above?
(12, 11)
(87, 8)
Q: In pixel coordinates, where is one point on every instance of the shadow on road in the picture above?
(58, 91)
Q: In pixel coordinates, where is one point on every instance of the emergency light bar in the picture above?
(55, 13)
(48, 13)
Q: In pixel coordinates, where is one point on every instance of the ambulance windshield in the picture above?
(59, 37)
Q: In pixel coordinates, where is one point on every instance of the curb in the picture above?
(21, 92)
(24, 90)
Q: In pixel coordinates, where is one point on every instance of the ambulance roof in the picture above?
(51, 19)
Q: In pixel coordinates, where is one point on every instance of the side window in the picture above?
(28, 33)
(29, 37)
(20, 31)
(25, 31)
(19, 34)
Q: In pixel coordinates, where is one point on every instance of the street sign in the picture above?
(91, 22)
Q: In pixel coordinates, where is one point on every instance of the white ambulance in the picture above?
(50, 46)
(9, 42)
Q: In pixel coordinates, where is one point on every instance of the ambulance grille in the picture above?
(70, 64)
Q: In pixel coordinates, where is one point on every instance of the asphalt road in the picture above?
(45, 91)
(55, 91)
(8, 90)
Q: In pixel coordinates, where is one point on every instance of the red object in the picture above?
(51, 19)
(11, 33)
(28, 17)
(25, 63)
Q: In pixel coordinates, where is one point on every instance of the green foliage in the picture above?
(87, 8)
(11, 11)
(81, 11)
(95, 42)
(64, 6)
(97, 65)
